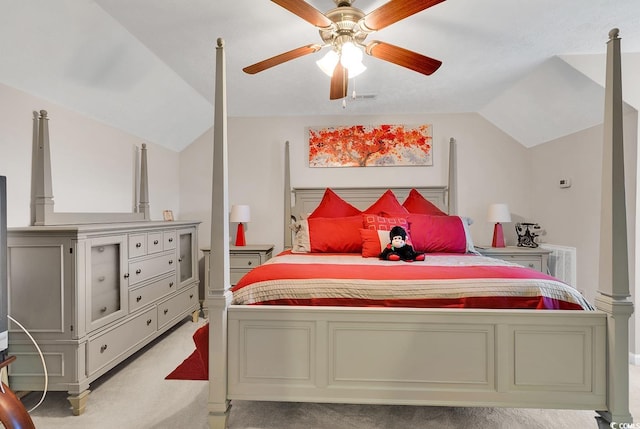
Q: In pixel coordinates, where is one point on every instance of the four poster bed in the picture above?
(417, 355)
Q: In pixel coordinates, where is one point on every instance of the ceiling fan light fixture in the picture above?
(350, 55)
(328, 62)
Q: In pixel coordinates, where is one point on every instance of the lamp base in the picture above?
(498, 235)
(240, 235)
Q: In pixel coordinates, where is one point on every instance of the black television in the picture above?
(4, 332)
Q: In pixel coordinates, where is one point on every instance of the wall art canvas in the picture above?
(370, 146)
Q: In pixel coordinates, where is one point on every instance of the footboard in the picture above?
(512, 358)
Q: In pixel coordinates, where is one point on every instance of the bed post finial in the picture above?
(613, 33)
(613, 289)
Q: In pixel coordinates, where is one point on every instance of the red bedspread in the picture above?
(442, 280)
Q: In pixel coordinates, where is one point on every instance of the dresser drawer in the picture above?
(147, 294)
(246, 262)
(169, 238)
(177, 305)
(111, 344)
(137, 245)
(155, 242)
(147, 268)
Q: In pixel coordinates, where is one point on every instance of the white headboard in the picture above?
(307, 199)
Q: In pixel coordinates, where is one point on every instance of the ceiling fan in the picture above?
(346, 27)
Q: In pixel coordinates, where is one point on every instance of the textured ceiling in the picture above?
(147, 66)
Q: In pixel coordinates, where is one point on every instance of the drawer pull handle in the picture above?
(126, 275)
(148, 322)
(155, 241)
(138, 271)
(179, 259)
(101, 249)
(531, 265)
(138, 298)
(171, 240)
(249, 263)
(166, 310)
(138, 244)
(103, 348)
(170, 284)
(101, 278)
(170, 261)
(190, 296)
(103, 309)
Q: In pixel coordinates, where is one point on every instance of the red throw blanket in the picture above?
(442, 280)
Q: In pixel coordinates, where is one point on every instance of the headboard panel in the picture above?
(307, 199)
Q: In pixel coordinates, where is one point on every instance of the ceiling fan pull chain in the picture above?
(353, 94)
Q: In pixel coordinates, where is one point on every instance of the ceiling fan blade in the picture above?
(305, 11)
(393, 11)
(279, 59)
(403, 57)
(338, 83)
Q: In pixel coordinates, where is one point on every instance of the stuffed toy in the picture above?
(398, 249)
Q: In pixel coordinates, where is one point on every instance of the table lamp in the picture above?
(240, 213)
(498, 213)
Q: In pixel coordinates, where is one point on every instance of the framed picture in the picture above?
(167, 214)
(370, 146)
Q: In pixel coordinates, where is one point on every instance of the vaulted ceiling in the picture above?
(147, 66)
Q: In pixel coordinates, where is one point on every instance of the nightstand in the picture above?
(535, 258)
(243, 259)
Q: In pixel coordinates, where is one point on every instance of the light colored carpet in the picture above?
(136, 395)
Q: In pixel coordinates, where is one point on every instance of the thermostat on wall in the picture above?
(565, 183)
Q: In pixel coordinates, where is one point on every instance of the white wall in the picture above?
(492, 168)
(92, 163)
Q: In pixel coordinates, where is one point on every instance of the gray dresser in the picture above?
(93, 294)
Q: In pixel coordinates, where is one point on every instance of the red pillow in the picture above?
(373, 242)
(387, 203)
(416, 203)
(438, 233)
(332, 205)
(328, 235)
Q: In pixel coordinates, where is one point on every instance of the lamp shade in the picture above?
(328, 62)
(499, 212)
(240, 213)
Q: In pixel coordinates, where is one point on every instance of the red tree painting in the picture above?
(362, 146)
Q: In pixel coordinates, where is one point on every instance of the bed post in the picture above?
(452, 188)
(287, 198)
(219, 295)
(613, 292)
(143, 204)
(41, 189)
